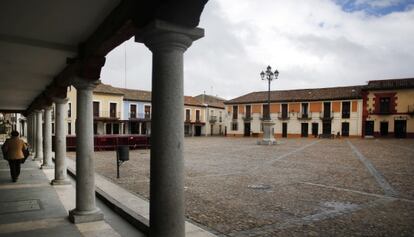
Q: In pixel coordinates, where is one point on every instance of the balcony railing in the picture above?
(326, 116)
(247, 117)
(283, 116)
(106, 114)
(304, 116)
(133, 115)
(213, 119)
(346, 114)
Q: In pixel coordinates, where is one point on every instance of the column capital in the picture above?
(161, 35)
(47, 108)
(59, 100)
(86, 84)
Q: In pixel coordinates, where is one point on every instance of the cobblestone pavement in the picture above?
(302, 187)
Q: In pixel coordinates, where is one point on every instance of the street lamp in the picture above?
(268, 135)
(269, 76)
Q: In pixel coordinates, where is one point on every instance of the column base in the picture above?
(44, 167)
(60, 182)
(76, 216)
(37, 158)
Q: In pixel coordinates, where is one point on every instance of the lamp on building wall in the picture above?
(268, 135)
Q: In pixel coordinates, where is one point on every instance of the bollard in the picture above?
(122, 155)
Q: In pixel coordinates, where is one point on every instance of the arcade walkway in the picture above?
(33, 207)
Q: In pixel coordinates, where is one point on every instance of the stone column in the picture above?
(29, 132)
(60, 141)
(168, 44)
(39, 136)
(47, 139)
(86, 210)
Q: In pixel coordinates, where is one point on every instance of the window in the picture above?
(69, 128)
(346, 108)
(133, 111)
(235, 112)
(53, 128)
(147, 111)
(95, 109)
(384, 105)
(234, 126)
(284, 110)
(220, 118)
(305, 110)
(95, 129)
(197, 115)
(266, 111)
(69, 110)
(187, 115)
(248, 111)
(112, 110)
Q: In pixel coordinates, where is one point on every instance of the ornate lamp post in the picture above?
(268, 136)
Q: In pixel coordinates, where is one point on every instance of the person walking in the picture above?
(14, 152)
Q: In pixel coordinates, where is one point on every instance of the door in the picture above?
(315, 129)
(108, 128)
(384, 129)
(400, 128)
(345, 129)
(284, 129)
(247, 129)
(369, 128)
(326, 128)
(197, 131)
(115, 128)
(304, 130)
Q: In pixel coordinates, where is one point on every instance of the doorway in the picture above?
(108, 128)
(304, 130)
(284, 129)
(384, 129)
(369, 128)
(345, 129)
(197, 131)
(400, 128)
(326, 128)
(315, 129)
(247, 129)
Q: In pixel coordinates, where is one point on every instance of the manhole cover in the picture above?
(259, 186)
(19, 206)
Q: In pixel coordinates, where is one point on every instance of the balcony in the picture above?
(346, 114)
(134, 115)
(107, 114)
(283, 116)
(213, 119)
(326, 115)
(304, 116)
(247, 117)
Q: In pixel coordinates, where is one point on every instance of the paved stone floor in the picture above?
(302, 187)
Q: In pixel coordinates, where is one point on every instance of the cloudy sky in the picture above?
(313, 43)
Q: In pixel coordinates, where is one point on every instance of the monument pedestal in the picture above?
(268, 136)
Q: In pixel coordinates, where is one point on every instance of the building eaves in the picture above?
(317, 94)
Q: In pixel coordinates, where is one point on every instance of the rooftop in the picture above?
(403, 83)
(332, 93)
